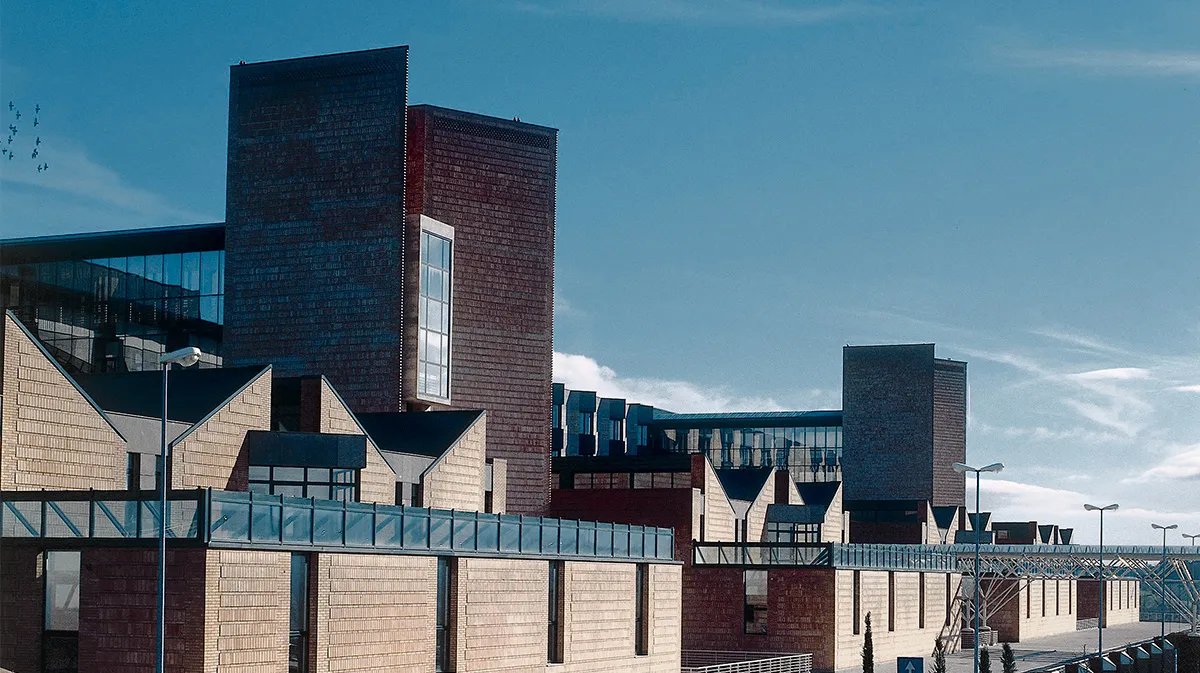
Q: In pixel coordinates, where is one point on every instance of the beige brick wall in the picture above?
(377, 481)
(718, 513)
(456, 480)
(1124, 602)
(375, 613)
(834, 525)
(756, 516)
(211, 453)
(599, 618)
(907, 638)
(246, 610)
(499, 485)
(52, 436)
(502, 613)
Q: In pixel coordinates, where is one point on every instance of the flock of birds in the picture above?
(8, 151)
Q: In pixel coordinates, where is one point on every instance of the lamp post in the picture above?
(1193, 538)
(184, 357)
(963, 468)
(1194, 606)
(1100, 622)
(1162, 594)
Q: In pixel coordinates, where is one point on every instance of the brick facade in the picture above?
(22, 608)
(117, 600)
(494, 181)
(377, 480)
(1039, 607)
(314, 220)
(455, 481)
(904, 423)
(211, 453)
(51, 436)
(1122, 599)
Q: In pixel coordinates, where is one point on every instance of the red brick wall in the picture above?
(117, 614)
(800, 613)
(314, 220)
(666, 508)
(494, 181)
(22, 600)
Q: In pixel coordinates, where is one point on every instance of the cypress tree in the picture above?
(985, 661)
(939, 656)
(868, 650)
(1008, 662)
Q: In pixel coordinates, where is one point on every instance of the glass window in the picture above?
(445, 576)
(298, 616)
(62, 591)
(433, 334)
(172, 273)
(191, 272)
(585, 423)
(641, 620)
(554, 630)
(755, 602)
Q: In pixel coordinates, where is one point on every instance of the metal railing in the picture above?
(827, 555)
(716, 661)
(233, 519)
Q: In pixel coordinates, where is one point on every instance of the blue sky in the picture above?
(747, 185)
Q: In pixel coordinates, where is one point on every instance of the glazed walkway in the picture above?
(1049, 650)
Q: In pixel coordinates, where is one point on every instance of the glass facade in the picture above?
(811, 454)
(119, 314)
(299, 482)
(433, 334)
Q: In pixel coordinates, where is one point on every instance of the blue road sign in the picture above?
(910, 665)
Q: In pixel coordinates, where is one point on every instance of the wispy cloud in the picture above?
(565, 309)
(1127, 62)
(1113, 373)
(1083, 341)
(1182, 463)
(1194, 388)
(710, 12)
(580, 372)
(78, 193)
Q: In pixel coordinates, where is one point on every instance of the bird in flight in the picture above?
(10, 105)
(35, 121)
(34, 156)
(18, 115)
(37, 141)
(37, 108)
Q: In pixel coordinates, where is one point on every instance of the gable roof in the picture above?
(192, 396)
(780, 513)
(744, 483)
(424, 433)
(818, 493)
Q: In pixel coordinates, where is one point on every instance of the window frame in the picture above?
(444, 615)
(429, 230)
(641, 617)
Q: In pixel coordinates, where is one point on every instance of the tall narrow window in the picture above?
(298, 616)
(949, 600)
(1057, 598)
(858, 603)
(445, 577)
(133, 472)
(586, 423)
(891, 601)
(1070, 596)
(921, 600)
(433, 333)
(554, 630)
(60, 640)
(1043, 597)
(1028, 598)
(754, 603)
(641, 625)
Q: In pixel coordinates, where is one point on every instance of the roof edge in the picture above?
(481, 413)
(207, 417)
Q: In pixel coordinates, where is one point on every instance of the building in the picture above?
(806, 443)
(361, 235)
(287, 548)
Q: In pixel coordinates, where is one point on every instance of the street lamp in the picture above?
(1193, 538)
(1100, 622)
(963, 468)
(184, 357)
(1162, 612)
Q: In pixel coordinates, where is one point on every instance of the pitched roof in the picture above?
(818, 493)
(192, 395)
(780, 513)
(744, 483)
(425, 433)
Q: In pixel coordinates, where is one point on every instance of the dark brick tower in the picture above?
(493, 181)
(904, 415)
(315, 220)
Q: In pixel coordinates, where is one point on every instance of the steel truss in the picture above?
(1024, 563)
